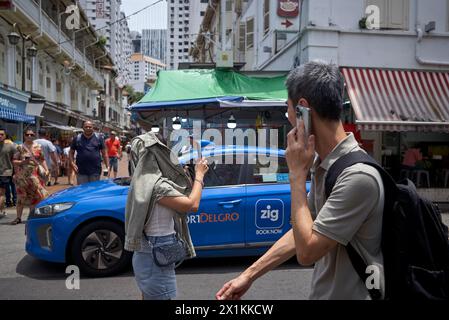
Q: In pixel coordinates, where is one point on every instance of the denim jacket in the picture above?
(156, 173)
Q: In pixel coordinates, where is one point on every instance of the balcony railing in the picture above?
(50, 28)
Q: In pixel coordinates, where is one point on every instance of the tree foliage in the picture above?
(133, 96)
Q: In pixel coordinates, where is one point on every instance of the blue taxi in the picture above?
(245, 208)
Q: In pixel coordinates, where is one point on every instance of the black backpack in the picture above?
(415, 243)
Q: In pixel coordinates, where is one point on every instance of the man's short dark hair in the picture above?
(42, 132)
(321, 84)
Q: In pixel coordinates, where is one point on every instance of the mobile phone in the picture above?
(305, 114)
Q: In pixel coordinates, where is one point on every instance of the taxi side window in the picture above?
(222, 172)
(267, 169)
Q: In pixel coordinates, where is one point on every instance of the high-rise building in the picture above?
(105, 16)
(143, 71)
(110, 23)
(136, 42)
(184, 19)
(123, 51)
(154, 43)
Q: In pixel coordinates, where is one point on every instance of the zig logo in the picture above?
(269, 213)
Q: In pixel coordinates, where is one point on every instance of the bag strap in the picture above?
(31, 153)
(333, 173)
(351, 159)
(360, 267)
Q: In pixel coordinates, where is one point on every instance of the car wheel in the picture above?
(98, 249)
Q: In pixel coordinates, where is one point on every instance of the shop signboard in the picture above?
(12, 103)
(288, 8)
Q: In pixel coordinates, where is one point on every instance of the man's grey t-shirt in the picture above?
(7, 151)
(47, 149)
(353, 213)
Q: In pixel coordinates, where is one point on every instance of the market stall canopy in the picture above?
(61, 127)
(204, 86)
(399, 100)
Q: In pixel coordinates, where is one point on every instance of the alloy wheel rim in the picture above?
(102, 249)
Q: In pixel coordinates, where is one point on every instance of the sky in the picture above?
(154, 17)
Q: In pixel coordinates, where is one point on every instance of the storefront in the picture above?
(13, 116)
(403, 116)
(61, 122)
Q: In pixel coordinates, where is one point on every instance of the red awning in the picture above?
(399, 100)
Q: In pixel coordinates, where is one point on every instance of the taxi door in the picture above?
(220, 220)
(268, 200)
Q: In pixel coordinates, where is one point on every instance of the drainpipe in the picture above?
(420, 34)
(256, 34)
(84, 57)
(59, 31)
(104, 55)
(74, 40)
(223, 24)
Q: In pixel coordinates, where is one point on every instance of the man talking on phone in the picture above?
(322, 227)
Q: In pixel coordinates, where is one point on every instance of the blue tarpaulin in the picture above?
(184, 103)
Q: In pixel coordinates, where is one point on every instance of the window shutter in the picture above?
(250, 33)
(398, 14)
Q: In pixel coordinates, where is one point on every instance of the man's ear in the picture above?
(304, 103)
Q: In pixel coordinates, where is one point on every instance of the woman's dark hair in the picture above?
(28, 129)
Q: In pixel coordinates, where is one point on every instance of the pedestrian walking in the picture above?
(10, 192)
(7, 151)
(67, 166)
(159, 197)
(30, 167)
(322, 227)
(59, 155)
(114, 153)
(49, 151)
(90, 150)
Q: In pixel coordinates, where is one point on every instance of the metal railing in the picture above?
(50, 28)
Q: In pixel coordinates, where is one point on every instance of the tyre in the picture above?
(98, 249)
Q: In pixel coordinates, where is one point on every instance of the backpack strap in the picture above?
(333, 173)
(351, 159)
(78, 140)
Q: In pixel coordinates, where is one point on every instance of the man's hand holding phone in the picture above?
(300, 151)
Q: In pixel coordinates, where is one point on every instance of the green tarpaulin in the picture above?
(194, 84)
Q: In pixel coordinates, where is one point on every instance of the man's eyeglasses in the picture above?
(2, 134)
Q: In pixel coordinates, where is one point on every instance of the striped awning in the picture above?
(399, 100)
(13, 115)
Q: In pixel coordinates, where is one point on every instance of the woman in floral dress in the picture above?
(30, 188)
